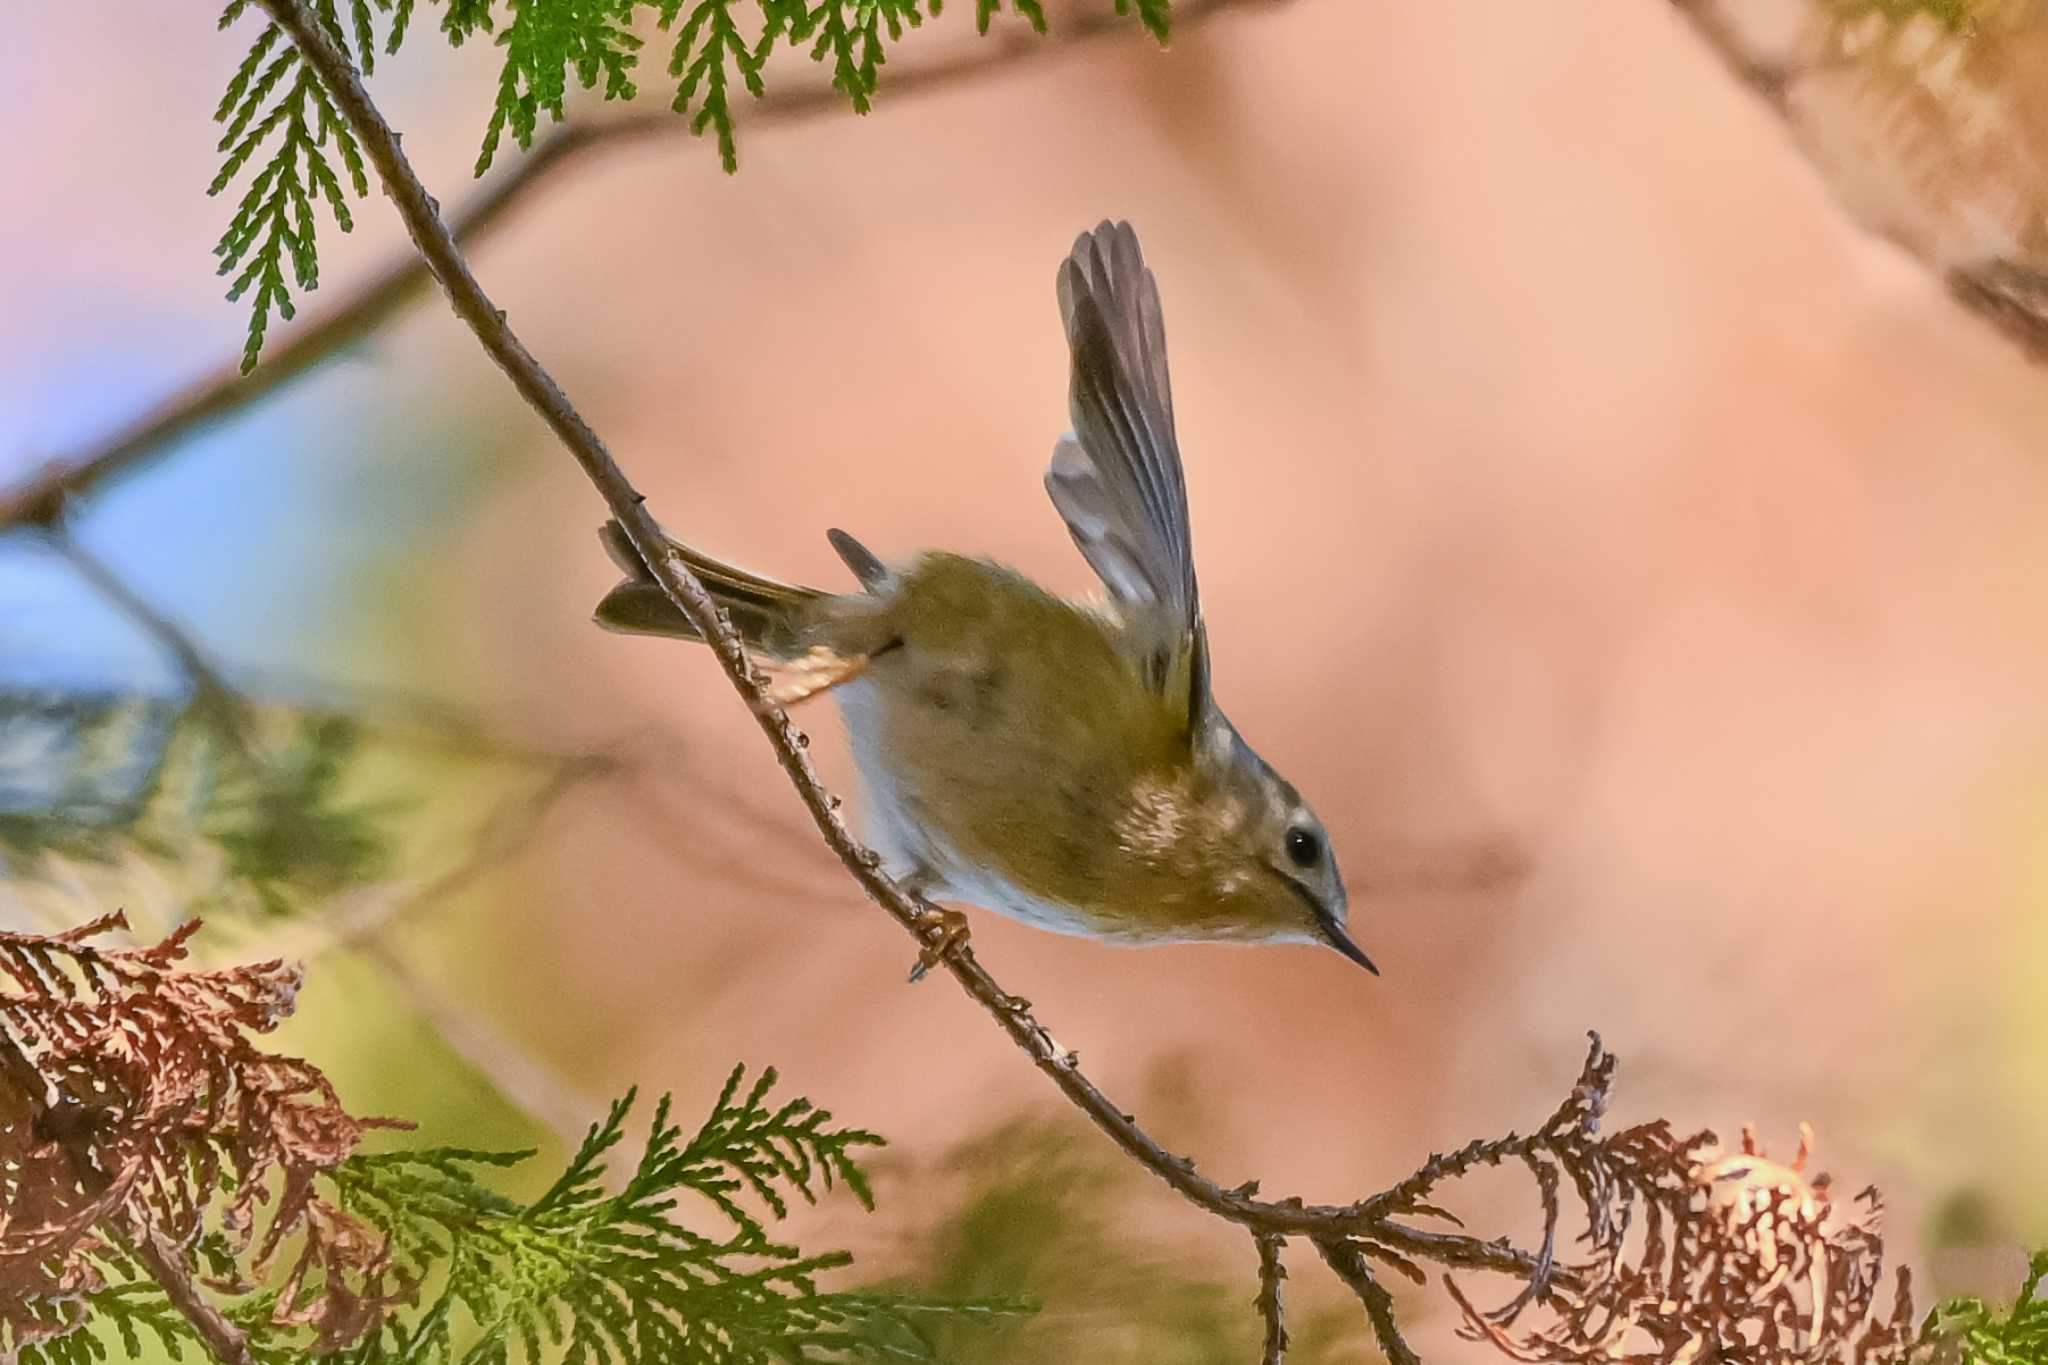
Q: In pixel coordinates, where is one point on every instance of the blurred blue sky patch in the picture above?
(251, 535)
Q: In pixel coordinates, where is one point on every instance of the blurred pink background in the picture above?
(1566, 471)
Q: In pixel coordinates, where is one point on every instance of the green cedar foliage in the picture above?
(582, 1274)
(549, 43)
(132, 1309)
(1042, 1207)
(275, 105)
(1973, 1332)
(600, 1277)
(278, 119)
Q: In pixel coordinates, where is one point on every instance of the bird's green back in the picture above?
(1020, 723)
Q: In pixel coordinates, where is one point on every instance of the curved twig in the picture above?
(2012, 296)
(211, 692)
(225, 389)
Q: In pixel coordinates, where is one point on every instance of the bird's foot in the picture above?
(944, 932)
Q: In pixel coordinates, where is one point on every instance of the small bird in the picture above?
(1059, 762)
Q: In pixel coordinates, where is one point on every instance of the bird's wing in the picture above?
(1117, 481)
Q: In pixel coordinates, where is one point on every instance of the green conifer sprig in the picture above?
(278, 118)
(709, 40)
(547, 43)
(847, 35)
(274, 104)
(746, 1143)
(131, 1312)
(594, 1276)
(1975, 1333)
(581, 1275)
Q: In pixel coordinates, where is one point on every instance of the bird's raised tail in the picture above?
(770, 616)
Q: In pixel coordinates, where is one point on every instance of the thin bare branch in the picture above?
(228, 1343)
(373, 916)
(1347, 1259)
(1768, 79)
(1271, 1273)
(225, 389)
(531, 1084)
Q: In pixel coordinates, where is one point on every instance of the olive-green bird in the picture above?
(1060, 762)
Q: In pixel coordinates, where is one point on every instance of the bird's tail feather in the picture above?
(769, 615)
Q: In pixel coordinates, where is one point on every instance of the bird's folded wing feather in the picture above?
(1117, 480)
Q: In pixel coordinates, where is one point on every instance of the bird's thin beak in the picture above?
(1341, 941)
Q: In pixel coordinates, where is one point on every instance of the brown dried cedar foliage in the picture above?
(135, 1104)
(1691, 1254)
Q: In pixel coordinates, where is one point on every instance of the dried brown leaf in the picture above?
(1694, 1253)
(135, 1104)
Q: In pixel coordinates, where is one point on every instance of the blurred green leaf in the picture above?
(107, 779)
(1044, 1212)
(1975, 1333)
(286, 827)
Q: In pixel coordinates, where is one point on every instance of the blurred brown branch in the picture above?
(372, 918)
(225, 389)
(512, 1071)
(2013, 297)
(1950, 140)
(369, 923)
(1644, 1172)
(369, 927)
(220, 702)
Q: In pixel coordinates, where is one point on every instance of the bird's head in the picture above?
(1248, 856)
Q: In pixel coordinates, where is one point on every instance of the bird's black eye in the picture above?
(1304, 847)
